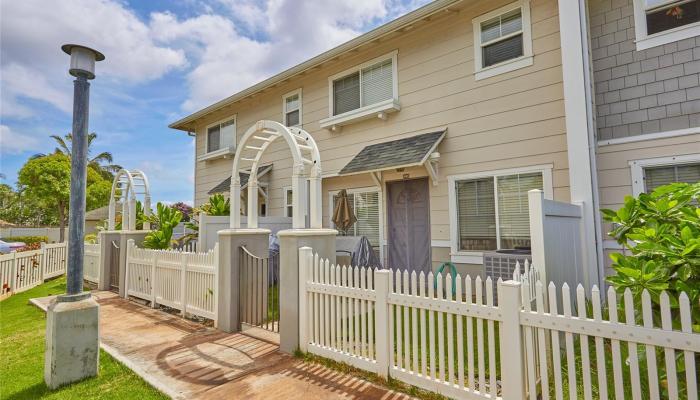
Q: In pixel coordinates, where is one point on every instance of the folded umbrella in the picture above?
(343, 217)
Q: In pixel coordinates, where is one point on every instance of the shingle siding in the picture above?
(640, 92)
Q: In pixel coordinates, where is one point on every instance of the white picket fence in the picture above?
(91, 263)
(461, 344)
(177, 279)
(20, 271)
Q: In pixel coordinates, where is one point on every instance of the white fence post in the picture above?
(512, 362)
(42, 263)
(13, 277)
(215, 286)
(382, 286)
(129, 252)
(305, 260)
(154, 265)
(183, 284)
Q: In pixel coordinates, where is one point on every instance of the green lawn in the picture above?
(22, 332)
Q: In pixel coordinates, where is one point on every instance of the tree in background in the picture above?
(102, 163)
(185, 209)
(18, 209)
(46, 180)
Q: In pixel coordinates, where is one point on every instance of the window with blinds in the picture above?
(502, 38)
(480, 226)
(513, 209)
(365, 206)
(292, 109)
(365, 87)
(221, 135)
(288, 205)
(659, 176)
(663, 15)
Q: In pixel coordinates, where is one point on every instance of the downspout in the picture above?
(592, 137)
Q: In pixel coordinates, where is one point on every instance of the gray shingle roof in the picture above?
(225, 185)
(397, 153)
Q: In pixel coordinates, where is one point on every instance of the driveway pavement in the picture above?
(187, 360)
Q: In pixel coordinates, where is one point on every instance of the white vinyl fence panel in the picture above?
(455, 339)
(20, 271)
(177, 279)
(91, 264)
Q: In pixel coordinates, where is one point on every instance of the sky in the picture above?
(164, 60)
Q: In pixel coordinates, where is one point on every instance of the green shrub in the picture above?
(163, 223)
(660, 233)
(26, 239)
(217, 205)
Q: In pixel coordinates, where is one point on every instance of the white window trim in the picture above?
(285, 190)
(368, 111)
(637, 168)
(645, 41)
(284, 106)
(525, 60)
(223, 152)
(477, 257)
(380, 199)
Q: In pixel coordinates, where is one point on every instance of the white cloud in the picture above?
(12, 142)
(34, 67)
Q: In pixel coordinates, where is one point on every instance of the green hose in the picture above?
(453, 272)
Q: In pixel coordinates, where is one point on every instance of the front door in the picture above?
(409, 225)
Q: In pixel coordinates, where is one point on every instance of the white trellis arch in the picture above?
(127, 185)
(307, 165)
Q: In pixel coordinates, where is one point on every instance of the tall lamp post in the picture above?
(72, 324)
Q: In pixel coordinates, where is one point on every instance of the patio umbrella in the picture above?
(343, 217)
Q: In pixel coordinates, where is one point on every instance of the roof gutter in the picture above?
(390, 27)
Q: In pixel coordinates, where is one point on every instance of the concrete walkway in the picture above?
(187, 360)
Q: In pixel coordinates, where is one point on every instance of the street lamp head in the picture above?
(82, 60)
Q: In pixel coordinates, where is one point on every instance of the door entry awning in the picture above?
(402, 153)
(225, 185)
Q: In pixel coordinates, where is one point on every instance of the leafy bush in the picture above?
(661, 233)
(162, 223)
(217, 205)
(26, 239)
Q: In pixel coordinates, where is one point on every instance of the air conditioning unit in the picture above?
(501, 263)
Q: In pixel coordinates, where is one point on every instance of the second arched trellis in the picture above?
(126, 187)
(306, 166)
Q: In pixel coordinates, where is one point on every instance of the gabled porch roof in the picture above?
(225, 185)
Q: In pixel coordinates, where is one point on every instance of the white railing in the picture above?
(177, 279)
(20, 271)
(456, 341)
(91, 264)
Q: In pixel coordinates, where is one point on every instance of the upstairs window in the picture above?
(221, 135)
(502, 40)
(291, 108)
(363, 86)
(658, 22)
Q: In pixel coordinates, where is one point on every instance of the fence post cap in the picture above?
(510, 283)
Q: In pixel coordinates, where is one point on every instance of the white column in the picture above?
(252, 202)
(512, 362)
(579, 132)
(235, 202)
(132, 215)
(535, 199)
(315, 200)
(147, 213)
(298, 197)
(112, 216)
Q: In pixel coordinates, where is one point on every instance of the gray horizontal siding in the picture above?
(640, 92)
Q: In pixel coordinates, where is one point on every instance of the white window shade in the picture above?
(513, 211)
(477, 214)
(659, 176)
(377, 83)
(651, 4)
(346, 94)
(228, 133)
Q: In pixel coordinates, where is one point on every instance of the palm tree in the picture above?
(103, 162)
